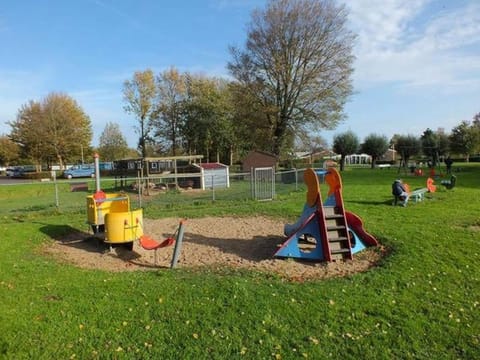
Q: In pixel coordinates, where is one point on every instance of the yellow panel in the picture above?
(112, 203)
(122, 227)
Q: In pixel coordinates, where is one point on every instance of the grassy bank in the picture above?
(423, 301)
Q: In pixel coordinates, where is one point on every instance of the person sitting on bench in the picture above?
(399, 191)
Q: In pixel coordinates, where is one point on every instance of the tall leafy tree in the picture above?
(376, 146)
(443, 144)
(26, 132)
(465, 139)
(112, 143)
(251, 129)
(139, 94)
(344, 144)
(9, 151)
(296, 65)
(209, 118)
(172, 91)
(407, 146)
(430, 145)
(476, 120)
(56, 129)
(68, 128)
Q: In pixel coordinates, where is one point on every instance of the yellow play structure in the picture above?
(113, 222)
(111, 219)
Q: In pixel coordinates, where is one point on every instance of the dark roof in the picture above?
(211, 166)
(262, 152)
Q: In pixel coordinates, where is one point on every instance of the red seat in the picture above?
(150, 244)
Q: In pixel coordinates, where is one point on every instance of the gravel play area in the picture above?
(239, 242)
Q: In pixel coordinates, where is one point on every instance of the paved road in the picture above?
(7, 180)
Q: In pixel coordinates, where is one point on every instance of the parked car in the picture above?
(14, 171)
(9, 171)
(78, 171)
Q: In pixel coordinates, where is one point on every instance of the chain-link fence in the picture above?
(18, 196)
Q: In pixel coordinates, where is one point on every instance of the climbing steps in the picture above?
(337, 233)
(323, 233)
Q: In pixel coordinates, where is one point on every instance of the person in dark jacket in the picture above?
(448, 163)
(399, 191)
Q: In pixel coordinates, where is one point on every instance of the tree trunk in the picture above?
(60, 161)
(342, 163)
(279, 134)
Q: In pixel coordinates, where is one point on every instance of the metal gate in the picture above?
(263, 183)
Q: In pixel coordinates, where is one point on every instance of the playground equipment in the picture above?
(147, 243)
(325, 231)
(449, 184)
(416, 195)
(112, 220)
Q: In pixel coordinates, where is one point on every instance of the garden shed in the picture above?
(213, 175)
(258, 159)
(151, 166)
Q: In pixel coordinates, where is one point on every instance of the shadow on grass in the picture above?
(69, 236)
(370, 202)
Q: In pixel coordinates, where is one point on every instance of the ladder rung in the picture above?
(338, 239)
(333, 216)
(336, 227)
(340, 251)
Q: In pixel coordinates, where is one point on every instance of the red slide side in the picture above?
(355, 223)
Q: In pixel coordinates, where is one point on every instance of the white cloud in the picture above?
(382, 23)
(399, 43)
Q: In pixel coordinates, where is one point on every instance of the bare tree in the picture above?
(139, 95)
(297, 65)
(310, 142)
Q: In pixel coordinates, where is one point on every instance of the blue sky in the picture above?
(417, 61)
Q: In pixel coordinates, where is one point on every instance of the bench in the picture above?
(449, 184)
(79, 186)
(418, 195)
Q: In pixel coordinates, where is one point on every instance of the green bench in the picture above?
(449, 184)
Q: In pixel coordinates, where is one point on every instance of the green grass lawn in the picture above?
(421, 302)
